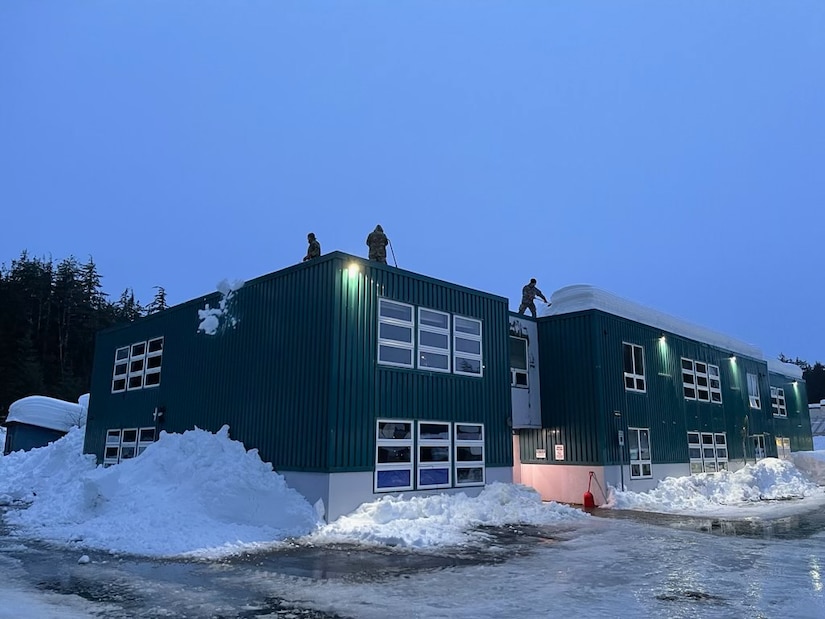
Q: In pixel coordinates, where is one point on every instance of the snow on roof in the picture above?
(45, 412)
(582, 297)
(786, 369)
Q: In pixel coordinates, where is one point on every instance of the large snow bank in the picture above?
(812, 463)
(582, 297)
(192, 493)
(770, 479)
(45, 412)
(438, 520)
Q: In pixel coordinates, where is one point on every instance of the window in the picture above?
(434, 466)
(393, 457)
(715, 384)
(758, 442)
(518, 362)
(688, 379)
(433, 340)
(753, 391)
(469, 454)
(436, 344)
(467, 346)
(634, 367)
(137, 366)
(442, 454)
(783, 447)
(707, 451)
(121, 369)
(778, 402)
(640, 462)
(123, 444)
(395, 333)
(701, 381)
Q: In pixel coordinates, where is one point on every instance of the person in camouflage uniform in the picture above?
(377, 242)
(528, 294)
(314, 249)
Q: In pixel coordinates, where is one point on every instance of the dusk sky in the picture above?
(671, 153)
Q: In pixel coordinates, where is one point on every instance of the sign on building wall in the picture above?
(541, 454)
(559, 452)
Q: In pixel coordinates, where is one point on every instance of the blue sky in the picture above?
(671, 153)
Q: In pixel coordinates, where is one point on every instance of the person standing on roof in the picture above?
(528, 295)
(377, 242)
(314, 249)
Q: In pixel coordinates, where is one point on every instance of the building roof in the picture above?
(582, 297)
(45, 412)
(786, 369)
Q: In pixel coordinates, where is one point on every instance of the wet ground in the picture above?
(125, 586)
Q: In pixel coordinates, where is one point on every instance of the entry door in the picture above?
(758, 441)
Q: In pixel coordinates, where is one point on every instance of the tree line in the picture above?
(50, 312)
(814, 376)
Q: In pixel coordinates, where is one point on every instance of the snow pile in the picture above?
(2, 439)
(770, 479)
(212, 318)
(812, 463)
(444, 520)
(195, 493)
(45, 412)
(40, 472)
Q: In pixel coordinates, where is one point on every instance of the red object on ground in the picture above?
(589, 502)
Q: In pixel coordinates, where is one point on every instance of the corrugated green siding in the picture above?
(297, 377)
(268, 377)
(368, 391)
(583, 386)
(797, 425)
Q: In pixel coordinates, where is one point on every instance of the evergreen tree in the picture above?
(158, 304)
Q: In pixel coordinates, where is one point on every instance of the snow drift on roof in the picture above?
(583, 297)
(785, 369)
(45, 412)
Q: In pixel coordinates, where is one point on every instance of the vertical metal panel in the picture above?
(797, 425)
(582, 388)
(296, 377)
(368, 391)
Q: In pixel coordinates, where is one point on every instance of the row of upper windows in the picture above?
(137, 366)
(700, 381)
(440, 342)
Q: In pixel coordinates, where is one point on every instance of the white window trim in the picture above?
(434, 442)
(515, 373)
(702, 381)
(432, 349)
(394, 466)
(126, 355)
(635, 376)
(715, 390)
(691, 373)
(154, 354)
(398, 344)
(754, 400)
(121, 358)
(640, 461)
(467, 464)
(466, 355)
(778, 404)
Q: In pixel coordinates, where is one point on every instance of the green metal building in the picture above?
(353, 378)
(633, 396)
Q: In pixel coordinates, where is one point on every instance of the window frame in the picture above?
(639, 461)
(754, 399)
(425, 348)
(468, 337)
(396, 344)
(519, 377)
(422, 466)
(779, 406)
(463, 464)
(632, 373)
(387, 467)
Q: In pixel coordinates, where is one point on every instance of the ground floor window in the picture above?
(639, 444)
(707, 451)
(424, 455)
(125, 443)
(783, 447)
(758, 442)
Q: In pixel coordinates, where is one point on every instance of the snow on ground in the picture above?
(203, 494)
(741, 493)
